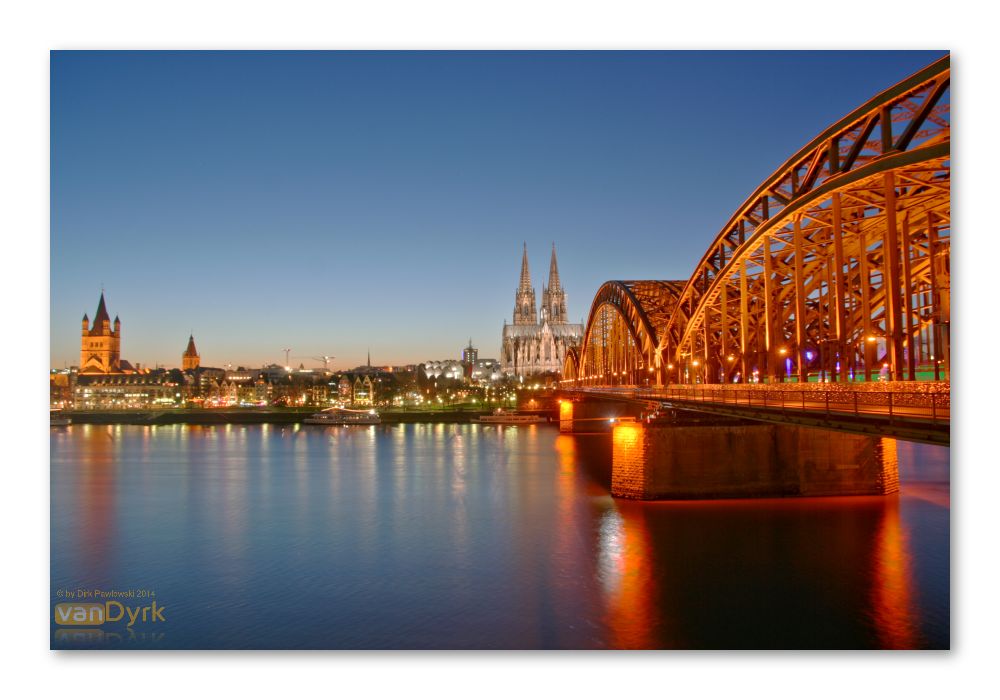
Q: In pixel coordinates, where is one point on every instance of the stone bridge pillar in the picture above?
(651, 461)
(565, 416)
(591, 416)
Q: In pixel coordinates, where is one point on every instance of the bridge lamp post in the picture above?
(871, 345)
(863, 354)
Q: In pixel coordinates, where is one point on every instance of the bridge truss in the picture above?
(837, 266)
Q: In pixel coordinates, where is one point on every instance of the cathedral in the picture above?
(537, 340)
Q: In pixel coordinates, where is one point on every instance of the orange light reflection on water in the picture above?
(892, 604)
(96, 508)
(625, 568)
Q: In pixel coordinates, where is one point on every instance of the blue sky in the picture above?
(335, 201)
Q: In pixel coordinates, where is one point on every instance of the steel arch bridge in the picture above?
(837, 266)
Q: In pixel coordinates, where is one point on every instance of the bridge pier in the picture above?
(651, 461)
(592, 415)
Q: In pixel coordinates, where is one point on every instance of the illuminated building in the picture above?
(444, 369)
(190, 359)
(484, 371)
(364, 391)
(344, 389)
(100, 343)
(537, 341)
(61, 383)
(470, 355)
(361, 388)
(250, 385)
(126, 391)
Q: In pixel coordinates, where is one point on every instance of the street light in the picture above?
(728, 378)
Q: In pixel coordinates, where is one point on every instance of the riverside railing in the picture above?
(895, 403)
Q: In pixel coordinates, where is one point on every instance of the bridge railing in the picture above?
(891, 403)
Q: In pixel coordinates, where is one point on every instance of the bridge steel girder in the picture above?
(620, 343)
(839, 261)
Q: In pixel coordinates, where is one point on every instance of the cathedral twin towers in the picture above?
(537, 340)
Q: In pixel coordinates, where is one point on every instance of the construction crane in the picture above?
(325, 359)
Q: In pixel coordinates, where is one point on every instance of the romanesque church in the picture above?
(100, 344)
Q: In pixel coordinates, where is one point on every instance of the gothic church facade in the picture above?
(537, 340)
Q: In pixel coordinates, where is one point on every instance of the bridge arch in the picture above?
(571, 364)
(621, 342)
(839, 262)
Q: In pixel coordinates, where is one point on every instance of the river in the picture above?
(467, 536)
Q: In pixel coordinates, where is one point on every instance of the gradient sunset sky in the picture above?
(333, 202)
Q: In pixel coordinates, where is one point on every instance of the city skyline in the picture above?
(334, 203)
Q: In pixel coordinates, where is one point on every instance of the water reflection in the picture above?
(454, 536)
(892, 598)
(97, 488)
(626, 560)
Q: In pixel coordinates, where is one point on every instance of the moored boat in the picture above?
(56, 418)
(343, 416)
(502, 417)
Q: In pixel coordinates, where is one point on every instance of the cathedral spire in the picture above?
(525, 275)
(524, 298)
(553, 296)
(554, 284)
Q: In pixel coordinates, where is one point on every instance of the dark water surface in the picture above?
(468, 536)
